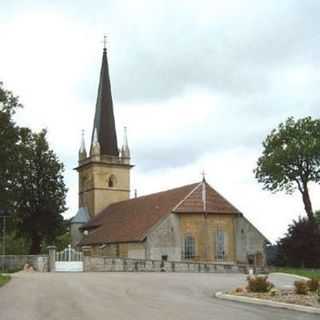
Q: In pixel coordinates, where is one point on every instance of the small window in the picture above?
(164, 258)
(189, 247)
(111, 181)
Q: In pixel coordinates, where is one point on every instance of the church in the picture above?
(191, 222)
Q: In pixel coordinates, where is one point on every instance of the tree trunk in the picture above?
(35, 245)
(307, 202)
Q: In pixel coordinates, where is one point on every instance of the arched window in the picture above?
(111, 181)
(189, 247)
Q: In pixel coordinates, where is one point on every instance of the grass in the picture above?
(3, 279)
(310, 273)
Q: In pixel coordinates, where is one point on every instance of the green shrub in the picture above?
(301, 287)
(259, 284)
(313, 284)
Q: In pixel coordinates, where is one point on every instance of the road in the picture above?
(122, 296)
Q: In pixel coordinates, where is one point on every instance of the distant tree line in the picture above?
(32, 189)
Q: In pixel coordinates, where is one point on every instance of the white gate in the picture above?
(69, 260)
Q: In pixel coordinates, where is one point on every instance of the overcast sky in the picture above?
(198, 83)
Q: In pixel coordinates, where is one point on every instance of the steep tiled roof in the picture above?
(130, 220)
(205, 199)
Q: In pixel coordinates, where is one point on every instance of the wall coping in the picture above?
(168, 261)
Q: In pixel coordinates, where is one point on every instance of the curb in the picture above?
(290, 274)
(268, 303)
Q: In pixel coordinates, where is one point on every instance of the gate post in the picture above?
(52, 258)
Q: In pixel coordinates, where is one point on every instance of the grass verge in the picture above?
(310, 273)
(3, 279)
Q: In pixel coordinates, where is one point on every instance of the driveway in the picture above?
(119, 296)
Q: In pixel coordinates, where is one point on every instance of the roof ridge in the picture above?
(152, 194)
(186, 197)
(223, 198)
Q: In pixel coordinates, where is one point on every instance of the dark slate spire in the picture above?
(104, 117)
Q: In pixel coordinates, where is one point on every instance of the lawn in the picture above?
(4, 279)
(310, 273)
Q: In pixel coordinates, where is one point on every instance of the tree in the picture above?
(300, 246)
(9, 137)
(40, 191)
(291, 159)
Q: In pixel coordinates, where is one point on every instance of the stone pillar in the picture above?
(86, 253)
(52, 258)
(86, 250)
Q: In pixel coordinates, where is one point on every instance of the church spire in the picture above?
(104, 118)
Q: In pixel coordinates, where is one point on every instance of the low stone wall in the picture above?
(107, 264)
(17, 262)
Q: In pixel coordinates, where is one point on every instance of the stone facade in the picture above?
(250, 244)
(166, 240)
(203, 230)
(95, 190)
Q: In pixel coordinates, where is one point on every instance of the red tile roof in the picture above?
(130, 220)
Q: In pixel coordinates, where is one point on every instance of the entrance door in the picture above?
(69, 260)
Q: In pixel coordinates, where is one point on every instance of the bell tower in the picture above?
(104, 173)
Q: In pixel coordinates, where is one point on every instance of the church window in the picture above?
(221, 244)
(111, 181)
(189, 247)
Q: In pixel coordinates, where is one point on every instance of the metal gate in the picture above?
(69, 260)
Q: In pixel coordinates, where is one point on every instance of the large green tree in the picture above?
(291, 159)
(40, 190)
(9, 138)
(31, 181)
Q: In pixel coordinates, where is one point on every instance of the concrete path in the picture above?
(122, 296)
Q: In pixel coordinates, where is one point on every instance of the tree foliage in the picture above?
(291, 158)
(9, 137)
(300, 246)
(31, 180)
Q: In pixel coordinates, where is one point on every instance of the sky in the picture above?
(199, 84)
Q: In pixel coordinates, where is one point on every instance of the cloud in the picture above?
(199, 85)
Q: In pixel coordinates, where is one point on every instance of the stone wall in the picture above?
(165, 240)
(204, 231)
(17, 262)
(107, 264)
(249, 241)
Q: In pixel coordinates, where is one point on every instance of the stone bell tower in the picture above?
(104, 174)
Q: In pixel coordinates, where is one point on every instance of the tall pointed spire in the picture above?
(104, 117)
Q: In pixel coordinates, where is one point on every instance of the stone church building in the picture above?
(191, 222)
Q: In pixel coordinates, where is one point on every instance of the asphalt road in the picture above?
(122, 296)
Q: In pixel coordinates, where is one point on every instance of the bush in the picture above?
(313, 284)
(259, 284)
(301, 287)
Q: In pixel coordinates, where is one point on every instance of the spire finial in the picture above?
(104, 42)
(82, 150)
(95, 147)
(203, 173)
(125, 151)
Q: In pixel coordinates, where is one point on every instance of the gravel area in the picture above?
(283, 295)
